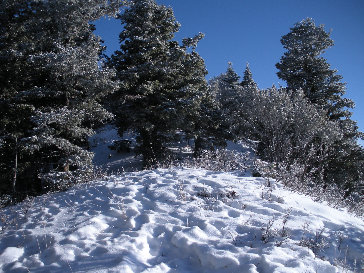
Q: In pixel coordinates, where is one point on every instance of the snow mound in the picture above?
(179, 220)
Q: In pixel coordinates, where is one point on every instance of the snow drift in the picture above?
(179, 220)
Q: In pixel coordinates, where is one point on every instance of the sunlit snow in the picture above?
(178, 220)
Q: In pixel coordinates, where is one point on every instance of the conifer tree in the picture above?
(161, 80)
(51, 85)
(230, 77)
(248, 80)
(210, 129)
(227, 89)
(227, 85)
(302, 67)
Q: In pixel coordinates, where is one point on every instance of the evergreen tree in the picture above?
(227, 89)
(231, 78)
(248, 78)
(210, 129)
(227, 86)
(302, 67)
(161, 80)
(51, 85)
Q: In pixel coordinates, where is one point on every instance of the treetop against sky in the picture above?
(250, 31)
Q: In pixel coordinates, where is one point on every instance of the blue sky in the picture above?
(244, 31)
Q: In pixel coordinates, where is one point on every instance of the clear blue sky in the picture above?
(243, 31)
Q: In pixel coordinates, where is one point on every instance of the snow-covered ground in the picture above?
(110, 160)
(179, 220)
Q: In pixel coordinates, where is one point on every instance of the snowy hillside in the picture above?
(108, 159)
(179, 220)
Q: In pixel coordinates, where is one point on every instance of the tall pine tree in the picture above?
(161, 81)
(303, 67)
(227, 89)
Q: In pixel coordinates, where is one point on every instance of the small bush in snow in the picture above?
(278, 235)
(316, 243)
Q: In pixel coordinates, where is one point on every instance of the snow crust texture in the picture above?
(179, 220)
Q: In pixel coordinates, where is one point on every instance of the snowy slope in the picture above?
(110, 160)
(179, 220)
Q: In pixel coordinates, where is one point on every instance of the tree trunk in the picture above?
(15, 165)
(198, 147)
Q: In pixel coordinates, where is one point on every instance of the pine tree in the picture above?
(51, 85)
(302, 67)
(231, 78)
(226, 85)
(248, 78)
(227, 90)
(210, 129)
(161, 80)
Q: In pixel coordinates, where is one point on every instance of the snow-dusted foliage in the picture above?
(162, 82)
(51, 83)
(230, 78)
(303, 68)
(289, 129)
(248, 80)
(285, 123)
(226, 88)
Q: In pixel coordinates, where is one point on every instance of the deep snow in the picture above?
(179, 220)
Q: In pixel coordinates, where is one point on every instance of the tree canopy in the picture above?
(162, 82)
(303, 67)
(51, 86)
